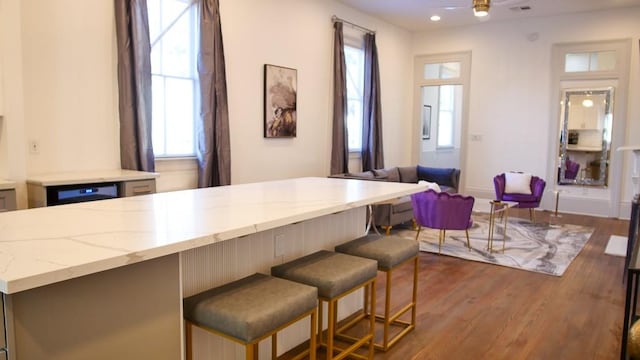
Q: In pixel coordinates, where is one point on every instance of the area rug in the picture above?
(539, 247)
(617, 246)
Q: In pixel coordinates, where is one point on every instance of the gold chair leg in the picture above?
(443, 233)
(414, 224)
(388, 230)
(468, 242)
(418, 232)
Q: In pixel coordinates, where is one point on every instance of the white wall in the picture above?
(299, 34)
(511, 88)
(60, 87)
(62, 53)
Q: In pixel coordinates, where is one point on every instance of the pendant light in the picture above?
(481, 7)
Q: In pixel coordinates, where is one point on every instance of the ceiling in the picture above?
(414, 15)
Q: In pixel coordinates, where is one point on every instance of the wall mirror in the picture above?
(585, 136)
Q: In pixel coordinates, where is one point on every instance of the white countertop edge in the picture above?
(7, 185)
(72, 178)
(71, 272)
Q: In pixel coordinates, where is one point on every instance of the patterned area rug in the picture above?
(539, 247)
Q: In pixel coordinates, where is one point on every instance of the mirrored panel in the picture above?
(441, 119)
(585, 136)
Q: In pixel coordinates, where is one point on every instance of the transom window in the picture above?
(590, 61)
(448, 70)
(174, 40)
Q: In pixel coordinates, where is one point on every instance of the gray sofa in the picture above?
(401, 210)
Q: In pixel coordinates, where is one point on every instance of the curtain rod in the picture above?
(335, 19)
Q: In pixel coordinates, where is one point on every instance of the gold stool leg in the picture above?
(330, 328)
(188, 339)
(418, 233)
(274, 346)
(387, 306)
(372, 319)
(415, 291)
(320, 320)
(312, 335)
(366, 300)
(251, 351)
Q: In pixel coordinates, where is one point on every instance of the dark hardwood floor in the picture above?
(471, 310)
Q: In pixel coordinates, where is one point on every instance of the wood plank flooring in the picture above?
(470, 310)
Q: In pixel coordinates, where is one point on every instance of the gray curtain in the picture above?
(212, 131)
(134, 84)
(340, 145)
(372, 152)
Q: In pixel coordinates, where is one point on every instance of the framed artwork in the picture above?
(280, 92)
(426, 122)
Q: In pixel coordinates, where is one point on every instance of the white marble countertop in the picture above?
(87, 177)
(7, 185)
(46, 245)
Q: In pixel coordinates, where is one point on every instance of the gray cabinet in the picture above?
(7, 200)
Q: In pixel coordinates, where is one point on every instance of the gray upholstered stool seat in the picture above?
(390, 252)
(335, 275)
(251, 309)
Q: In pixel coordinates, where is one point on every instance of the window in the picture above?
(173, 33)
(590, 61)
(354, 58)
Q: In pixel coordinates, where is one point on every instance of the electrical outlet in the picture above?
(279, 245)
(34, 147)
(476, 137)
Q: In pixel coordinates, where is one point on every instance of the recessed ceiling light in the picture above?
(435, 18)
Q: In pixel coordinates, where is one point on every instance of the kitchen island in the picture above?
(106, 279)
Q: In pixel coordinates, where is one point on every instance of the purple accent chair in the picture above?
(571, 169)
(527, 201)
(443, 211)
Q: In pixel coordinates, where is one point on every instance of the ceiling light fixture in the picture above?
(435, 18)
(481, 7)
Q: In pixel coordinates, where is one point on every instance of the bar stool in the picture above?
(250, 310)
(335, 275)
(391, 252)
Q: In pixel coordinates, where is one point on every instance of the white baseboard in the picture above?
(567, 203)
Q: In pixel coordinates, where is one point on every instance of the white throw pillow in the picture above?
(517, 183)
(430, 185)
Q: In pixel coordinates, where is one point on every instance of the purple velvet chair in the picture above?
(443, 211)
(527, 201)
(571, 169)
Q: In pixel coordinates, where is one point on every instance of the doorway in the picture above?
(441, 110)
